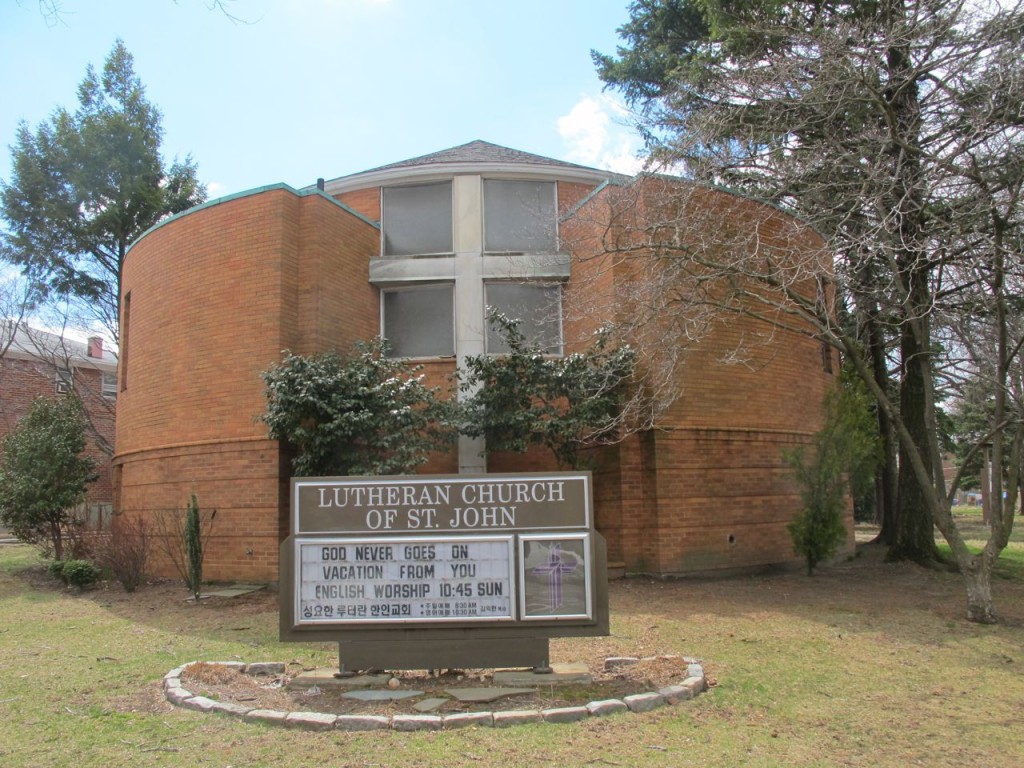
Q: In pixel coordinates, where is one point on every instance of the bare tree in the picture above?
(894, 130)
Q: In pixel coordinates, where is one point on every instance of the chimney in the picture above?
(95, 348)
(320, 184)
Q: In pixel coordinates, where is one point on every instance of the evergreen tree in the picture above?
(43, 474)
(86, 184)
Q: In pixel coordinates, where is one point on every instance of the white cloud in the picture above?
(597, 133)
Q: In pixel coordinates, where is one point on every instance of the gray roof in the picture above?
(28, 342)
(478, 152)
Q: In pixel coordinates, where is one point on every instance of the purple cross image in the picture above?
(554, 569)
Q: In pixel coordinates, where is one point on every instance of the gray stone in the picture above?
(674, 693)
(361, 723)
(323, 677)
(694, 670)
(416, 722)
(468, 719)
(175, 673)
(485, 695)
(177, 696)
(199, 703)
(644, 702)
(565, 714)
(266, 716)
(238, 666)
(695, 684)
(560, 674)
(265, 668)
(234, 590)
(517, 717)
(385, 695)
(429, 705)
(606, 707)
(311, 721)
(173, 684)
(230, 708)
(618, 662)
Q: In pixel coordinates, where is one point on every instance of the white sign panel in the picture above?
(404, 579)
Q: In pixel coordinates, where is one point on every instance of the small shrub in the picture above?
(81, 573)
(124, 552)
(194, 548)
(172, 538)
(56, 569)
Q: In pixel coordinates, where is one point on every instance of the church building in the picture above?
(416, 251)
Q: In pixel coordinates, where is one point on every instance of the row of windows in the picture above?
(519, 217)
(420, 321)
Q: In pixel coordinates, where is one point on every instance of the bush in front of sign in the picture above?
(356, 414)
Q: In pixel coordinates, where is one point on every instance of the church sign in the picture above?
(487, 566)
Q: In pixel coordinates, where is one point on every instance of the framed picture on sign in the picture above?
(554, 576)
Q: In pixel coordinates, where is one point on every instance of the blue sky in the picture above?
(309, 88)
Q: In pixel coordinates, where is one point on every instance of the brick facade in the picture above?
(29, 369)
(216, 294)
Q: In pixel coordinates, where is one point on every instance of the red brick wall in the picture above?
(366, 202)
(23, 380)
(709, 488)
(217, 295)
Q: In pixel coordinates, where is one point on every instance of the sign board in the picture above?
(474, 558)
(347, 581)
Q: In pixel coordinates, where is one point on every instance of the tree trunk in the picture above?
(885, 480)
(978, 580)
(58, 541)
(914, 530)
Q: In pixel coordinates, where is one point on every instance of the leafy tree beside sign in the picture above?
(527, 398)
(357, 414)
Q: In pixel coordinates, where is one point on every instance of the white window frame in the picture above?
(64, 381)
(108, 385)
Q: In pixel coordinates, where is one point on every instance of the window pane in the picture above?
(418, 219)
(109, 382)
(519, 216)
(538, 307)
(420, 322)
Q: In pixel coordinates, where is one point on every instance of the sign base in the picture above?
(422, 653)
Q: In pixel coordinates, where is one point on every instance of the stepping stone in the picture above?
(323, 677)
(429, 705)
(235, 590)
(560, 674)
(380, 695)
(485, 695)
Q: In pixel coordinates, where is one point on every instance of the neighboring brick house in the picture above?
(36, 363)
(414, 251)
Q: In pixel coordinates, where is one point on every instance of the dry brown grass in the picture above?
(864, 664)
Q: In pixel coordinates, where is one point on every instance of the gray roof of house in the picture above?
(28, 342)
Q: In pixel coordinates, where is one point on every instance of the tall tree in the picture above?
(85, 184)
(892, 128)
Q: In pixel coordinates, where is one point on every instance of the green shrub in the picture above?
(81, 573)
(56, 569)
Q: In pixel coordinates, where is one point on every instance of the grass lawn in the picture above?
(864, 664)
